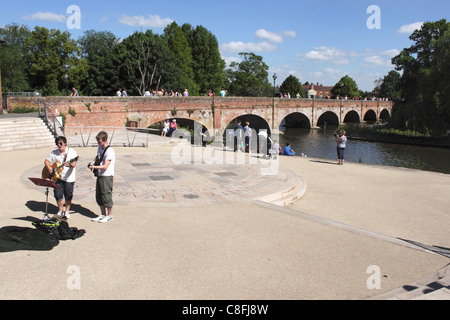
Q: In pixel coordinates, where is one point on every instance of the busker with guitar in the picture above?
(103, 169)
(60, 167)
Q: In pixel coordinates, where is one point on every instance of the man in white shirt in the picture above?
(65, 157)
(105, 177)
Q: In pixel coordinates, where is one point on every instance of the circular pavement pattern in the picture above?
(154, 179)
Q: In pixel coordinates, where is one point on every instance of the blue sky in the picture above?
(316, 41)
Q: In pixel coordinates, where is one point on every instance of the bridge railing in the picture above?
(117, 136)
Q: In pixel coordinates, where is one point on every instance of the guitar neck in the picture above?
(69, 162)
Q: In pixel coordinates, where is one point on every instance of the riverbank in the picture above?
(373, 134)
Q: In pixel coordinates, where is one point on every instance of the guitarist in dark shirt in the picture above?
(60, 166)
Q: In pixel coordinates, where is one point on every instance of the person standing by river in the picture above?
(341, 141)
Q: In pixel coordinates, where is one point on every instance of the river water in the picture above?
(319, 143)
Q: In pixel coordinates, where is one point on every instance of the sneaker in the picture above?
(106, 219)
(60, 214)
(98, 218)
(66, 214)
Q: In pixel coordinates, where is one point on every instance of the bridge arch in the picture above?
(328, 117)
(370, 115)
(351, 116)
(256, 122)
(187, 124)
(295, 120)
(384, 114)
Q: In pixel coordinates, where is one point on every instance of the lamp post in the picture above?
(274, 77)
(66, 68)
(1, 97)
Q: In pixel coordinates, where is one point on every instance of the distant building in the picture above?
(314, 91)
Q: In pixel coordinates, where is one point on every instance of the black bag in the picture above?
(59, 228)
(47, 225)
(64, 232)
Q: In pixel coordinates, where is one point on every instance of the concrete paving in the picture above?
(201, 229)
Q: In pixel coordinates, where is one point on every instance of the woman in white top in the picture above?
(341, 141)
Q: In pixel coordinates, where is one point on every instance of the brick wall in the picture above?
(213, 112)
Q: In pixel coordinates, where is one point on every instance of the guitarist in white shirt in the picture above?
(104, 166)
(66, 157)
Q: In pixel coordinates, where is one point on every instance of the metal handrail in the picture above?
(118, 136)
(53, 123)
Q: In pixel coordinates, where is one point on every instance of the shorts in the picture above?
(103, 191)
(340, 153)
(66, 191)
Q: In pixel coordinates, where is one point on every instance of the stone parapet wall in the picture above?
(213, 112)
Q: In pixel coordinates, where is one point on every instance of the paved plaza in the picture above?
(202, 230)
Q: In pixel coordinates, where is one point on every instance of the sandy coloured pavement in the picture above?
(209, 237)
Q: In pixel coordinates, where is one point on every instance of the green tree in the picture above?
(98, 49)
(181, 54)
(145, 63)
(292, 85)
(207, 64)
(389, 86)
(249, 77)
(134, 54)
(424, 84)
(346, 87)
(46, 52)
(12, 60)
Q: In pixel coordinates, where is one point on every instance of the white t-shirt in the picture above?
(109, 155)
(68, 173)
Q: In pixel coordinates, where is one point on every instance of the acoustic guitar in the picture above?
(57, 170)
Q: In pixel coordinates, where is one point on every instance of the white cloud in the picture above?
(377, 61)
(267, 35)
(334, 55)
(410, 28)
(150, 21)
(229, 60)
(382, 59)
(46, 16)
(274, 36)
(291, 34)
(390, 53)
(239, 46)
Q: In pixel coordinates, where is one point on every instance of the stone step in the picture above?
(435, 287)
(295, 189)
(13, 129)
(23, 136)
(24, 133)
(440, 294)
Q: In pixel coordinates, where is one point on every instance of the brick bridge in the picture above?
(214, 113)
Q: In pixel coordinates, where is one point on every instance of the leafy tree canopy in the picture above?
(425, 84)
(346, 87)
(292, 85)
(249, 77)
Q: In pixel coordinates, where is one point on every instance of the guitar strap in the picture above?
(103, 155)
(65, 156)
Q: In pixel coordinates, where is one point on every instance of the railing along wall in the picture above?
(53, 122)
(117, 136)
